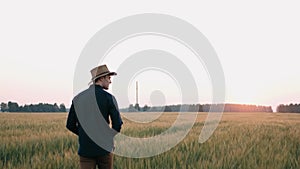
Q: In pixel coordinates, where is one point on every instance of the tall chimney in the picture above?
(137, 91)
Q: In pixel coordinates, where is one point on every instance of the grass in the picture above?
(242, 140)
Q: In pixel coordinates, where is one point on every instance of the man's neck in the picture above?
(99, 84)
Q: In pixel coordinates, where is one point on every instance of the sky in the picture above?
(257, 43)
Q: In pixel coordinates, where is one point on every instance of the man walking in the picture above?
(91, 126)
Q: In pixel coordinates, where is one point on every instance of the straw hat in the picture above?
(100, 71)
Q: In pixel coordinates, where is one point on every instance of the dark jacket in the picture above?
(108, 107)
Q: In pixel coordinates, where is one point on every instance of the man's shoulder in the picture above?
(85, 93)
(106, 93)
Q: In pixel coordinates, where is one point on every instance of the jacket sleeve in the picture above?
(72, 121)
(115, 116)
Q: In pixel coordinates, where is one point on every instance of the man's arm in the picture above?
(115, 115)
(72, 121)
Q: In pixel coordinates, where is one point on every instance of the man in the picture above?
(84, 117)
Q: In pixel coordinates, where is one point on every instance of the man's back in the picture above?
(84, 111)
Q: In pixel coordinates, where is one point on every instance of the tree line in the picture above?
(291, 108)
(41, 107)
(199, 108)
(45, 107)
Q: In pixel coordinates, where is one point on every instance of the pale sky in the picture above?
(257, 43)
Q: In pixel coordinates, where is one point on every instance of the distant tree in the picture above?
(269, 109)
(40, 107)
(291, 108)
(4, 107)
(62, 108)
(279, 108)
(27, 108)
(145, 108)
(167, 109)
(55, 108)
(298, 108)
(195, 108)
(200, 108)
(131, 108)
(13, 107)
(137, 107)
(33, 108)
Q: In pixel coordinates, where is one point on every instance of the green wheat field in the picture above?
(242, 140)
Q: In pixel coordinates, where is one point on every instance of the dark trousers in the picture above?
(103, 162)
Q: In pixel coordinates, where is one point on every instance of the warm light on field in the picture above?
(242, 140)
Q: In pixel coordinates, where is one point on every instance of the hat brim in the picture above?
(104, 74)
